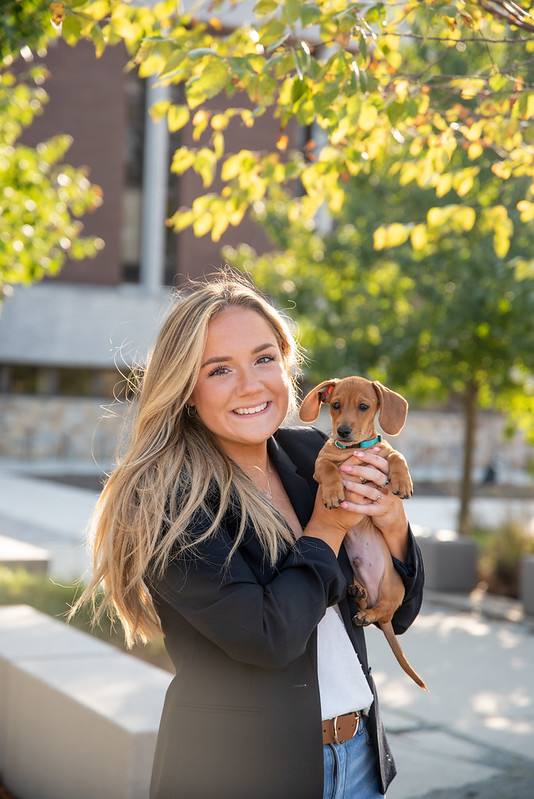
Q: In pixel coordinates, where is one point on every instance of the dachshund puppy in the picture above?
(354, 403)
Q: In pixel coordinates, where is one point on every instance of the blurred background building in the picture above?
(62, 340)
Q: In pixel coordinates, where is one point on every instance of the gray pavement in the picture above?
(470, 737)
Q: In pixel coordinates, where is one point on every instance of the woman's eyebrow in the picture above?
(224, 358)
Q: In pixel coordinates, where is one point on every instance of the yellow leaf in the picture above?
(444, 184)
(474, 151)
(368, 117)
(202, 224)
(231, 167)
(178, 117)
(419, 237)
(220, 225)
(215, 23)
(501, 169)
(182, 160)
(219, 122)
(379, 238)
(463, 183)
(501, 243)
(397, 234)
(218, 144)
(526, 209)
(465, 216)
(435, 217)
(336, 200)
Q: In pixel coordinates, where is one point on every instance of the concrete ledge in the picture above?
(17, 554)
(526, 584)
(78, 717)
(450, 559)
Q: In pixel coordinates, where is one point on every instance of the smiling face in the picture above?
(242, 393)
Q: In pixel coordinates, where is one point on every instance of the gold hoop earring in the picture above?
(190, 410)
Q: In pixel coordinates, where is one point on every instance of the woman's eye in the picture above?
(218, 371)
(266, 359)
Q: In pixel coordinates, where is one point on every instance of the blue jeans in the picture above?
(350, 768)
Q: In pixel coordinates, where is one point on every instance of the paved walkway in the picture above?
(470, 737)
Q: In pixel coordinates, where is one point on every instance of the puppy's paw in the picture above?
(357, 591)
(401, 482)
(333, 496)
(403, 490)
(360, 619)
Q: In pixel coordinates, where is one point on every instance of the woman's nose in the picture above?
(248, 382)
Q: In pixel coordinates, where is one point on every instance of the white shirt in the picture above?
(342, 683)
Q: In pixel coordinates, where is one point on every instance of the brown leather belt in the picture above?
(342, 728)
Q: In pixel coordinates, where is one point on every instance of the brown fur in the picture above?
(354, 403)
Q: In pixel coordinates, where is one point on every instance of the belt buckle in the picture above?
(357, 727)
(336, 739)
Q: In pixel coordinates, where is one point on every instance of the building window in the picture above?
(64, 381)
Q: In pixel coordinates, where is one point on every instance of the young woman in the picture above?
(210, 531)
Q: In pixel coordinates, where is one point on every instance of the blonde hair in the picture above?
(172, 462)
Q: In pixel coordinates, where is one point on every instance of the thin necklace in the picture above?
(267, 491)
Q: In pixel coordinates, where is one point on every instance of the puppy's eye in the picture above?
(336, 405)
(363, 407)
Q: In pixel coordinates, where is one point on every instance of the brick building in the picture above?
(60, 339)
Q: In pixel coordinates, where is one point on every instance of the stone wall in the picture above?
(69, 428)
(76, 429)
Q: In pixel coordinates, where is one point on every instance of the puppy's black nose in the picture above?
(344, 431)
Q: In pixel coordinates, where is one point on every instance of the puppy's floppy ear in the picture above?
(393, 409)
(309, 409)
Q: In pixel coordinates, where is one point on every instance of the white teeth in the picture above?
(248, 411)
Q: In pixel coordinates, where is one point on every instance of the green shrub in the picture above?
(501, 551)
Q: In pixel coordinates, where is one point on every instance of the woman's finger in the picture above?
(367, 472)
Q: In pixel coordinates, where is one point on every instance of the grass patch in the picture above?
(19, 587)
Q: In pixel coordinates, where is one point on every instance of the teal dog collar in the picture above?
(359, 445)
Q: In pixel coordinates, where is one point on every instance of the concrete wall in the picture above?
(80, 326)
(78, 717)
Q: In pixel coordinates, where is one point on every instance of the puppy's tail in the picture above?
(391, 638)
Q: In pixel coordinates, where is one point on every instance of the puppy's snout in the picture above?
(344, 431)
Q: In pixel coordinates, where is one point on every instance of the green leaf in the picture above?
(71, 29)
(271, 33)
(310, 14)
(200, 52)
(265, 7)
(209, 83)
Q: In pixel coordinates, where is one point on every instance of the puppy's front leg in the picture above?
(399, 475)
(332, 489)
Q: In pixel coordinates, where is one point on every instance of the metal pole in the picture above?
(154, 199)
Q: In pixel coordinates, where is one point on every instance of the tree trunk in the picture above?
(466, 486)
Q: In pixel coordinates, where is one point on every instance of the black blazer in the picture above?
(242, 717)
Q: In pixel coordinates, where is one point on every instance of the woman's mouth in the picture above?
(250, 411)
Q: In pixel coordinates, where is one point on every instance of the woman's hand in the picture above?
(331, 525)
(365, 477)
